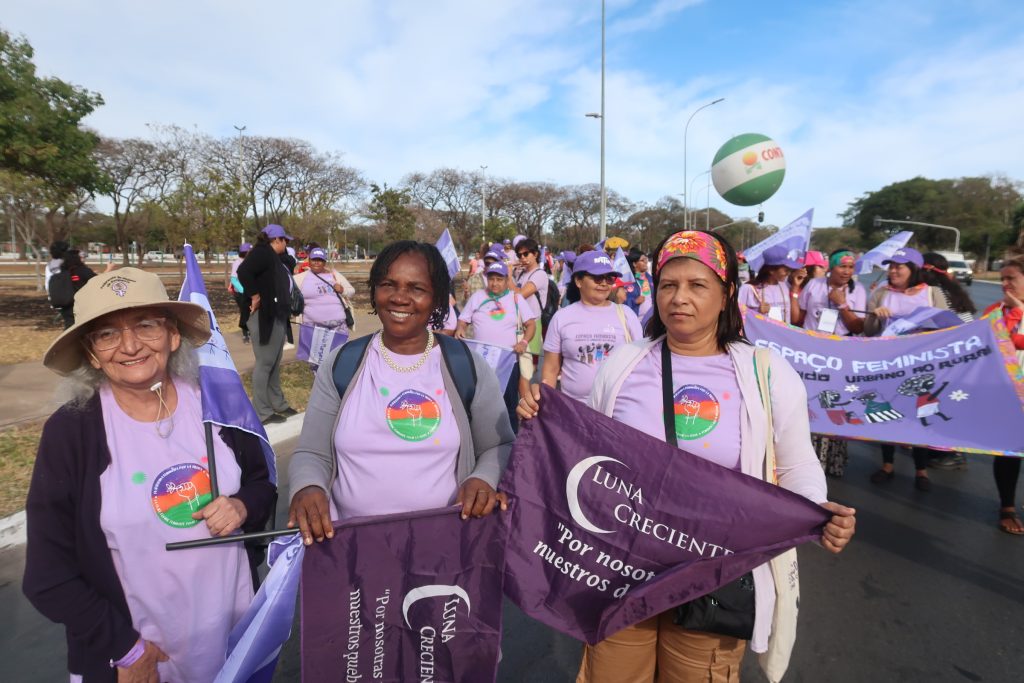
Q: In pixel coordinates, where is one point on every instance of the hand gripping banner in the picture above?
(612, 526)
(953, 389)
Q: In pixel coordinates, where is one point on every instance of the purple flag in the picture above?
(612, 526)
(316, 342)
(795, 237)
(502, 359)
(447, 249)
(951, 389)
(410, 597)
(921, 318)
(225, 402)
(886, 249)
(622, 265)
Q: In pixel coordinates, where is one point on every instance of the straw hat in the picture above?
(119, 290)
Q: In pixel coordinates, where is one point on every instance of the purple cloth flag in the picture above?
(612, 526)
(885, 250)
(225, 402)
(411, 597)
(501, 359)
(255, 642)
(447, 249)
(795, 237)
(921, 318)
(951, 389)
(316, 342)
(622, 265)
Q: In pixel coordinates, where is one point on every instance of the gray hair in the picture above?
(80, 385)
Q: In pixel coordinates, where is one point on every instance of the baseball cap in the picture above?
(594, 263)
(815, 258)
(905, 255)
(318, 253)
(779, 256)
(273, 231)
(497, 268)
(244, 248)
(496, 255)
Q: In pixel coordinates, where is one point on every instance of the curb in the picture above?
(12, 528)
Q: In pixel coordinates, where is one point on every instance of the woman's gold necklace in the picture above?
(386, 355)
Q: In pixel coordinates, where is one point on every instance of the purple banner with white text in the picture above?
(316, 342)
(952, 389)
(611, 526)
(411, 597)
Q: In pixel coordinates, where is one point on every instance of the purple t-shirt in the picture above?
(814, 298)
(185, 602)
(707, 404)
(540, 280)
(396, 443)
(451, 321)
(494, 318)
(905, 303)
(323, 307)
(585, 336)
(777, 297)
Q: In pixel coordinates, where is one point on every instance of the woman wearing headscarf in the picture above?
(833, 304)
(1011, 310)
(121, 470)
(696, 331)
(583, 335)
(400, 439)
(768, 293)
(903, 293)
(266, 277)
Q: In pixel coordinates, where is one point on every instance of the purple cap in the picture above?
(507, 241)
(905, 255)
(497, 268)
(568, 257)
(273, 231)
(779, 256)
(517, 239)
(244, 248)
(495, 254)
(318, 253)
(594, 263)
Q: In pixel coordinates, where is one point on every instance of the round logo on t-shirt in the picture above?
(413, 416)
(697, 411)
(498, 311)
(179, 491)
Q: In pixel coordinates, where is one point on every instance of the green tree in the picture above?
(389, 207)
(40, 132)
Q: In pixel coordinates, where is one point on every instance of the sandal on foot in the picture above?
(1010, 523)
(922, 483)
(882, 476)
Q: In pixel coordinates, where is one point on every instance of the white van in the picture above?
(958, 267)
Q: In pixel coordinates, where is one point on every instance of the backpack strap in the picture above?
(459, 361)
(347, 362)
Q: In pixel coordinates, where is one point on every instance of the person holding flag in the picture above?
(122, 469)
(833, 304)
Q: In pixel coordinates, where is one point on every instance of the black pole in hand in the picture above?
(211, 461)
(221, 540)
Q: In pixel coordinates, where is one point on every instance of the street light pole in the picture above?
(686, 130)
(956, 245)
(238, 170)
(603, 195)
(483, 204)
(685, 210)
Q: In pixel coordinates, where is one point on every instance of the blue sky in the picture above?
(858, 94)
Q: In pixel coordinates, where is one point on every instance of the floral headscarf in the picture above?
(699, 246)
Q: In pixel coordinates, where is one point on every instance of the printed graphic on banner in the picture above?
(950, 389)
(315, 343)
(413, 597)
(500, 358)
(603, 537)
(179, 491)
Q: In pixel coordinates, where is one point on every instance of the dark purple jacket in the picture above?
(69, 572)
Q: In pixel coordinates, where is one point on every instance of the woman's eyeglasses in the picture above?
(147, 329)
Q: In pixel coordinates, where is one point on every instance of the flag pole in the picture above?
(211, 461)
(221, 540)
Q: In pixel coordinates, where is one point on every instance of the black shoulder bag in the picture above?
(350, 320)
(728, 610)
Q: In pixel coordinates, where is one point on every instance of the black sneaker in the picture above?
(273, 419)
(288, 412)
(245, 339)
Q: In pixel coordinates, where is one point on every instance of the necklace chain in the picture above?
(386, 355)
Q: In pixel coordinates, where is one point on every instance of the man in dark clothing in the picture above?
(80, 274)
(266, 279)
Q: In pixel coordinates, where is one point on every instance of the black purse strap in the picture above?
(668, 406)
(336, 292)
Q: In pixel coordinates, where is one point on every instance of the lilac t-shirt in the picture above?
(540, 280)
(814, 298)
(396, 443)
(707, 404)
(494, 318)
(186, 602)
(777, 297)
(905, 303)
(451, 321)
(323, 307)
(585, 336)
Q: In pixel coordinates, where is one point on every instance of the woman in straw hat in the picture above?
(121, 470)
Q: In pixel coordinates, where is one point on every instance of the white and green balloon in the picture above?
(748, 169)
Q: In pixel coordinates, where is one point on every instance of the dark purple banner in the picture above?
(612, 526)
(414, 597)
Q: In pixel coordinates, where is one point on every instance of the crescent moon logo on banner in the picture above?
(434, 590)
(572, 494)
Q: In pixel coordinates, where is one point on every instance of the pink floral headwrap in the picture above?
(699, 246)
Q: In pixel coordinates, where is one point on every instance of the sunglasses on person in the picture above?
(523, 254)
(608, 279)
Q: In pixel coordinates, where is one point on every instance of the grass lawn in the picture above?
(18, 444)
